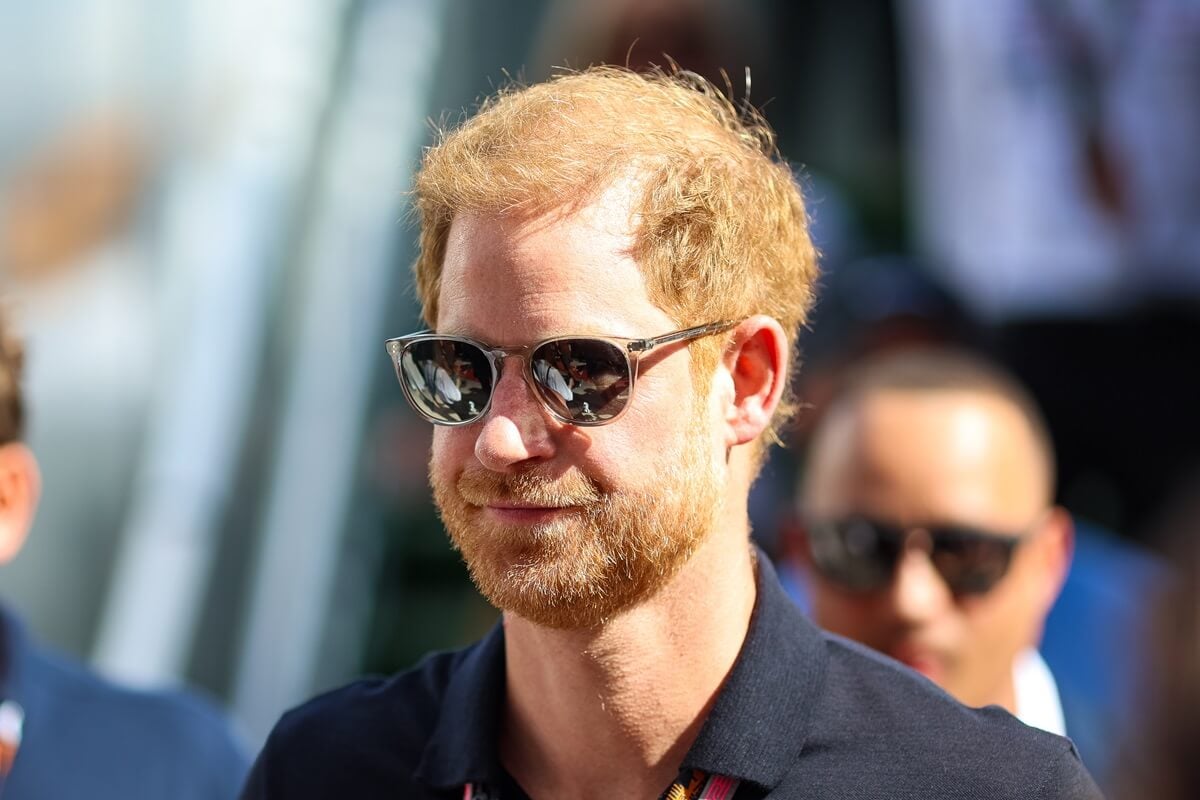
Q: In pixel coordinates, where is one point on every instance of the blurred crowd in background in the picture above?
(204, 241)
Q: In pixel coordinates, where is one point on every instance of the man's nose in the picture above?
(516, 428)
(919, 594)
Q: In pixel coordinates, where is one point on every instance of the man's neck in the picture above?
(1034, 692)
(612, 712)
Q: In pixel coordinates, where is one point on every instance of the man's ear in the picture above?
(20, 486)
(756, 359)
(1056, 546)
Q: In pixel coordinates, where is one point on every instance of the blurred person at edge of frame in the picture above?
(647, 648)
(1163, 760)
(64, 731)
(96, 131)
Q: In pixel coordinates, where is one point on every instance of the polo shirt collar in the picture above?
(761, 718)
(463, 748)
(755, 731)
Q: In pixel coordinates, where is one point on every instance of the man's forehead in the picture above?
(936, 453)
(967, 422)
(568, 271)
(609, 210)
(504, 238)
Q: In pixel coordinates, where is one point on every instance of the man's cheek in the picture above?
(447, 453)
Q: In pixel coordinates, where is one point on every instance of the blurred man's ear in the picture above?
(1056, 545)
(20, 485)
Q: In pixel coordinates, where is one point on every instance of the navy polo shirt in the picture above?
(803, 714)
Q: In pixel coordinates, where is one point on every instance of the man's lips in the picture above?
(519, 513)
(923, 660)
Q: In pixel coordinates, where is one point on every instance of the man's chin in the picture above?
(555, 591)
(928, 662)
(558, 578)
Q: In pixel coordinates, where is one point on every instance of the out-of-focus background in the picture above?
(204, 239)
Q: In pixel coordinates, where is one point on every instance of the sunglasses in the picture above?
(580, 380)
(861, 554)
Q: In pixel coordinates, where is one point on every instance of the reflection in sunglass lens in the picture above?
(861, 554)
(584, 380)
(971, 562)
(855, 553)
(445, 379)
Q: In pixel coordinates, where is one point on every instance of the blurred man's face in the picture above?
(72, 195)
(20, 485)
(561, 524)
(918, 459)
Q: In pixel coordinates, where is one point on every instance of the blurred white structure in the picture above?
(1056, 166)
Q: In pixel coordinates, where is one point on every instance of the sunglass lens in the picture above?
(586, 381)
(445, 380)
(972, 562)
(855, 553)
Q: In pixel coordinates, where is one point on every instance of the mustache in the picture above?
(482, 487)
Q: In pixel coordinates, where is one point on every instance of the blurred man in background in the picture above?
(929, 527)
(64, 732)
(81, 274)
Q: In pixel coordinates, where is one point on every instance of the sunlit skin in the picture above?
(918, 457)
(625, 677)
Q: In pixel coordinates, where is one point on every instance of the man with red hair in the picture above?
(636, 240)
